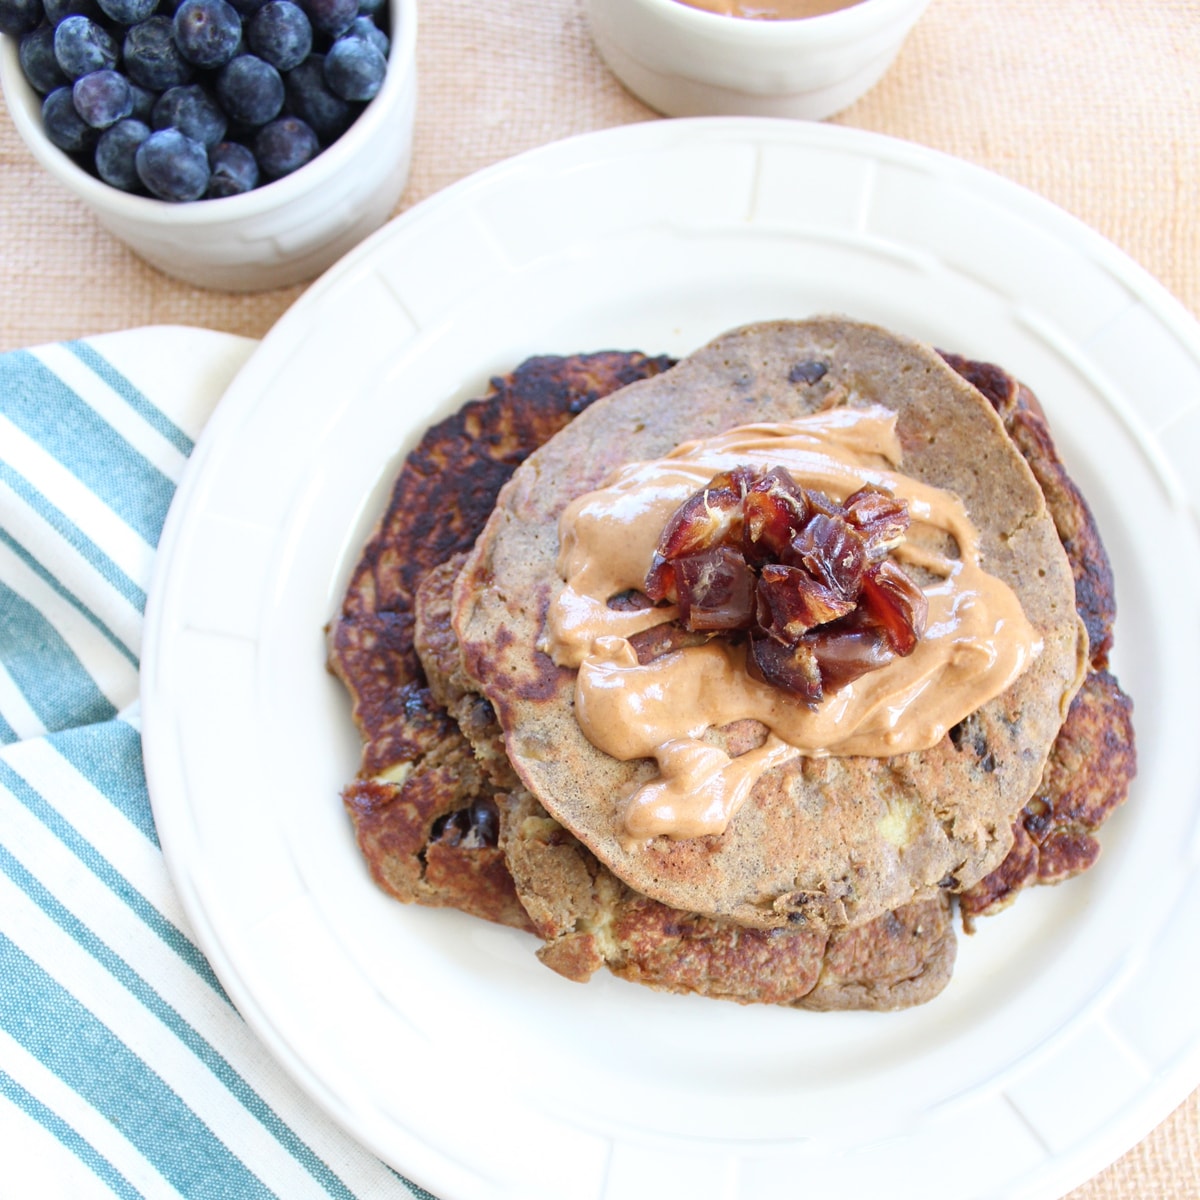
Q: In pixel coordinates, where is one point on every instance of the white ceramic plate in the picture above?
(1070, 1027)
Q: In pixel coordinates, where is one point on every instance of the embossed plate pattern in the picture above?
(1069, 1028)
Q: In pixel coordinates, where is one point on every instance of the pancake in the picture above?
(898, 960)
(1025, 422)
(442, 827)
(1086, 779)
(588, 919)
(421, 806)
(817, 843)
(1094, 758)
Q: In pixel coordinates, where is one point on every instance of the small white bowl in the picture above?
(688, 62)
(281, 233)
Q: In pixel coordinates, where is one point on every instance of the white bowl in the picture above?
(282, 233)
(688, 62)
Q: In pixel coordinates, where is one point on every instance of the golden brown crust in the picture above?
(415, 854)
(898, 960)
(419, 782)
(1087, 778)
(439, 502)
(679, 952)
(589, 920)
(1093, 760)
(1026, 424)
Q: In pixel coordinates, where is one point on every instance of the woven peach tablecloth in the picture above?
(1094, 104)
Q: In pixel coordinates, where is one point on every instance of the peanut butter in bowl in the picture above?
(805, 59)
(772, 10)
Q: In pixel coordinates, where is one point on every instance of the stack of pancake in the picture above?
(479, 791)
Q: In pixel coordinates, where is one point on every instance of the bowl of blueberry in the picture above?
(234, 144)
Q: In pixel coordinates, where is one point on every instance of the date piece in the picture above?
(804, 579)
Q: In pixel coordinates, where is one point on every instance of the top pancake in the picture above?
(831, 841)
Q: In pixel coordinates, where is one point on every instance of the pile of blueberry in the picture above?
(198, 99)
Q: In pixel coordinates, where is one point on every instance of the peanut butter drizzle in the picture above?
(977, 639)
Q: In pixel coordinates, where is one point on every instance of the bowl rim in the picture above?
(24, 107)
(860, 18)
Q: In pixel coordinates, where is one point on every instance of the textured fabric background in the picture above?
(1094, 104)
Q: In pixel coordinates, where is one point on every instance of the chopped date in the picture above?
(832, 552)
(776, 509)
(897, 605)
(791, 602)
(659, 585)
(795, 669)
(630, 600)
(716, 590)
(880, 517)
(711, 517)
(805, 578)
(844, 653)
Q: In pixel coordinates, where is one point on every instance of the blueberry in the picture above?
(115, 154)
(364, 27)
(207, 32)
(128, 12)
(234, 170)
(57, 11)
(193, 110)
(250, 90)
(143, 103)
(36, 52)
(152, 59)
(331, 16)
(354, 69)
(102, 98)
(191, 104)
(172, 165)
(18, 17)
(63, 125)
(284, 146)
(80, 45)
(280, 34)
(309, 98)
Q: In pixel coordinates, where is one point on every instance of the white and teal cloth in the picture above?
(124, 1069)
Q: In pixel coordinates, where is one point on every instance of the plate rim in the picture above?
(1150, 291)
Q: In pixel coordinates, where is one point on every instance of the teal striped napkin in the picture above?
(124, 1069)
